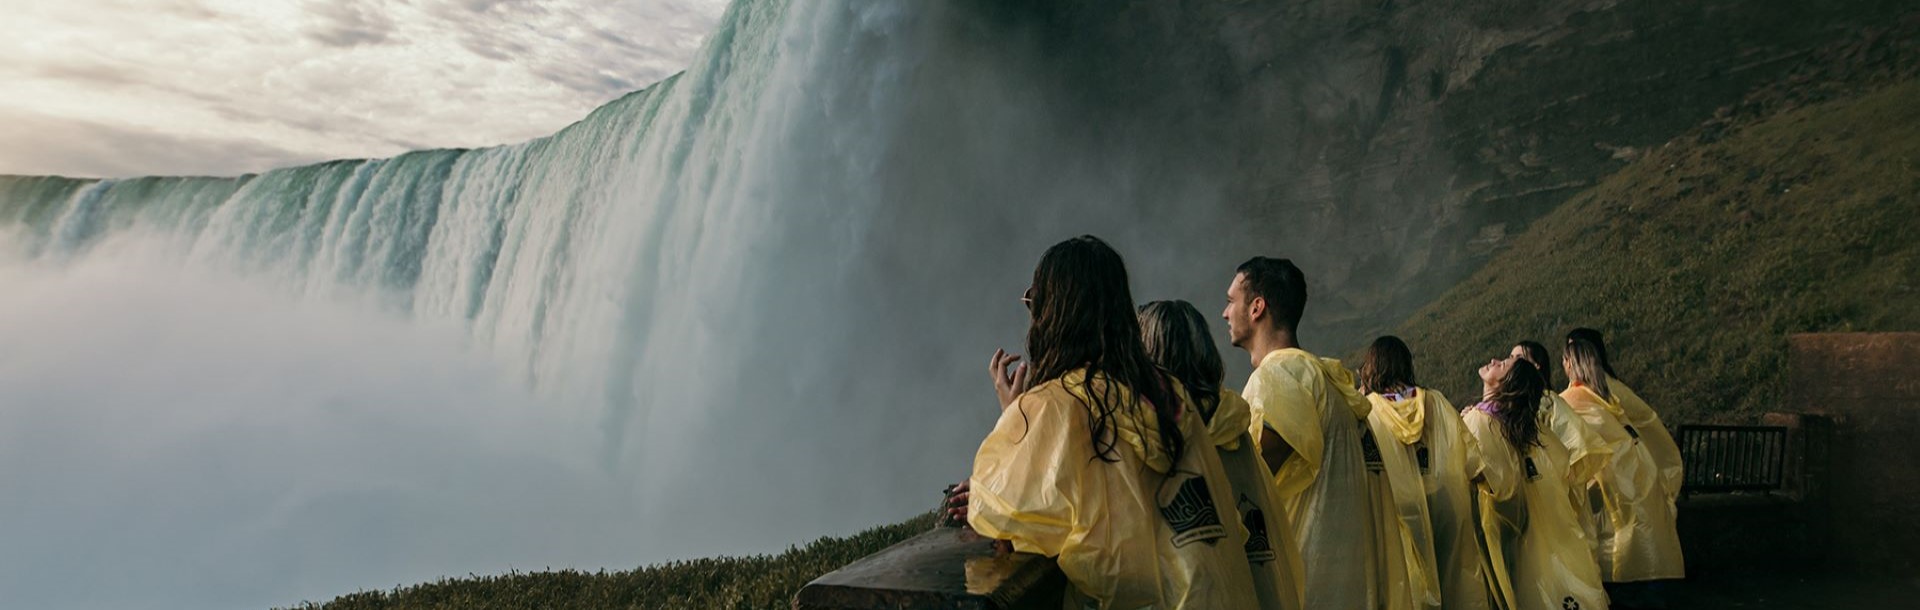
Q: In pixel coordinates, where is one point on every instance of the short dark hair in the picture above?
(1280, 283)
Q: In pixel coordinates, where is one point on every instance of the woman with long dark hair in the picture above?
(1635, 412)
(1535, 551)
(1178, 340)
(1587, 453)
(1103, 464)
(1432, 557)
(1638, 539)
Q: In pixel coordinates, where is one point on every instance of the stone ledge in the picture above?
(949, 568)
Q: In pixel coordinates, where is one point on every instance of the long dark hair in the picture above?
(1599, 345)
(1587, 366)
(1387, 367)
(1178, 341)
(1518, 397)
(1537, 355)
(1083, 318)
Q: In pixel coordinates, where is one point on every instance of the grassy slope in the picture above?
(765, 581)
(1700, 258)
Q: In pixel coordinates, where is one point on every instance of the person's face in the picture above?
(1239, 319)
(1496, 369)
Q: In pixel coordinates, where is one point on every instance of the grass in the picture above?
(739, 583)
(1700, 258)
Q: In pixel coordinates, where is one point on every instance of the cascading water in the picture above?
(757, 298)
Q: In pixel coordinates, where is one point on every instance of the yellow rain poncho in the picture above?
(1587, 455)
(1638, 540)
(1534, 548)
(1432, 556)
(1653, 434)
(1271, 552)
(1143, 531)
(1311, 404)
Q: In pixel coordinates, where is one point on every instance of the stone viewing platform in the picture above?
(1808, 507)
(948, 568)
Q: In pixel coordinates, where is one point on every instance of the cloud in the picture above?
(264, 82)
(349, 23)
(42, 144)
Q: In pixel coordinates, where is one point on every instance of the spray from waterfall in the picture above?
(742, 308)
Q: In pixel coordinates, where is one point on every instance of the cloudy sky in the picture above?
(136, 87)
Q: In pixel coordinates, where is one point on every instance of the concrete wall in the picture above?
(1869, 384)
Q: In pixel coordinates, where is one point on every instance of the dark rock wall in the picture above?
(1392, 146)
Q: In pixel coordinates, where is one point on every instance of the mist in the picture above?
(175, 438)
(746, 307)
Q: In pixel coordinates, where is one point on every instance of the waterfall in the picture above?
(766, 288)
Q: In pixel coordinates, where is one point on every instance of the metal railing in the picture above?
(1733, 458)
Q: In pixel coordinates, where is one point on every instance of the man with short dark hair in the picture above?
(1307, 418)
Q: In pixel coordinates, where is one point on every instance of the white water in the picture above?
(746, 307)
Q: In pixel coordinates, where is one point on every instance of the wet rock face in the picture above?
(1391, 146)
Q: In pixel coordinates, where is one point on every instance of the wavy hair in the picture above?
(1083, 318)
(1518, 399)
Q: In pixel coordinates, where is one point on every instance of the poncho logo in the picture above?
(1425, 457)
(1191, 513)
(1371, 449)
(1532, 472)
(1259, 550)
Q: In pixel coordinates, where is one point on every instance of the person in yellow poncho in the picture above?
(1177, 339)
(1102, 464)
(1307, 417)
(1637, 413)
(1587, 453)
(1535, 553)
(1431, 556)
(1638, 539)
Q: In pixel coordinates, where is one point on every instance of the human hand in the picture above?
(1009, 378)
(953, 511)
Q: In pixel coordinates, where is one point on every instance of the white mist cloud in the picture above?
(177, 439)
(314, 80)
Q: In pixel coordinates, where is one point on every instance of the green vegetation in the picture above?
(1700, 258)
(763, 581)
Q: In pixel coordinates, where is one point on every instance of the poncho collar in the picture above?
(1612, 405)
(1405, 414)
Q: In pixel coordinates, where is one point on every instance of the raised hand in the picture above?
(1009, 376)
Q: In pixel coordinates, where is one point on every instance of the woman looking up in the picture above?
(1534, 545)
